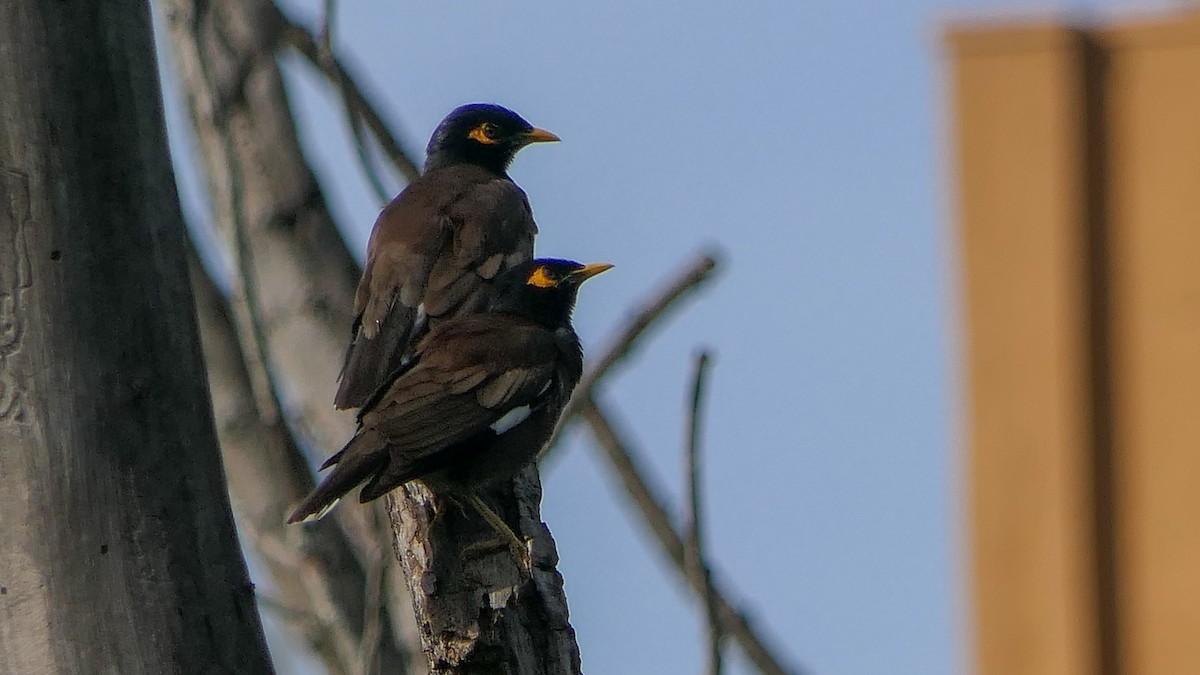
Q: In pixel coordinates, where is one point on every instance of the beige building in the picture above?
(1077, 173)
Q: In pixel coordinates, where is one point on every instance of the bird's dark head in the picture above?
(543, 290)
(483, 134)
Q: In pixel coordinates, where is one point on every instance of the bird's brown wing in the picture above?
(468, 374)
(493, 230)
(433, 252)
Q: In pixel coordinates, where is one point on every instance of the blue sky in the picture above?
(805, 140)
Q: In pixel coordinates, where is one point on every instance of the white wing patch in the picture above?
(511, 419)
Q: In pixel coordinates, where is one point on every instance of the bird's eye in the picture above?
(542, 278)
(485, 133)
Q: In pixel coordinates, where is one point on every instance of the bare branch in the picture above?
(258, 362)
(304, 42)
(305, 282)
(245, 297)
(697, 560)
(645, 495)
(652, 312)
(354, 117)
(648, 499)
(351, 103)
(312, 566)
(327, 18)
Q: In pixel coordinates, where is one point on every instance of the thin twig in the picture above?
(649, 501)
(363, 152)
(695, 527)
(327, 18)
(352, 105)
(304, 42)
(651, 313)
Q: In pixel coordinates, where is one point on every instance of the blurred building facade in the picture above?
(1077, 171)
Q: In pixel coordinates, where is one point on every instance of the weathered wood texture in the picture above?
(476, 612)
(117, 547)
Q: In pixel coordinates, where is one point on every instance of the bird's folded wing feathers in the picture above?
(436, 257)
(403, 247)
(459, 393)
(493, 230)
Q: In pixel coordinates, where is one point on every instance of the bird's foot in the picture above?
(516, 546)
(519, 552)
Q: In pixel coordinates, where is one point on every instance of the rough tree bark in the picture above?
(478, 616)
(482, 614)
(117, 546)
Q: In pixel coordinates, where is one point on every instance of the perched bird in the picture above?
(477, 400)
(439, 244)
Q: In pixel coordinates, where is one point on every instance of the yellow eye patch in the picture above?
(541, 279)
(483, 134)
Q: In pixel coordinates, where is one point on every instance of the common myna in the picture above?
(477, 400)
(438, 245)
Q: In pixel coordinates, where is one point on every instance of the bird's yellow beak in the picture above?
(590, 270)
(539, 136)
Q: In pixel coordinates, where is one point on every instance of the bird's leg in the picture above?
(519, 551)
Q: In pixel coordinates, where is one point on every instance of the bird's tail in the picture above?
(362, 457)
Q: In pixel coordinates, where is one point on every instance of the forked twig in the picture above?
(304, 42)
(351, 103)
(649, 500)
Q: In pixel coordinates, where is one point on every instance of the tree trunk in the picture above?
(117, 547)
